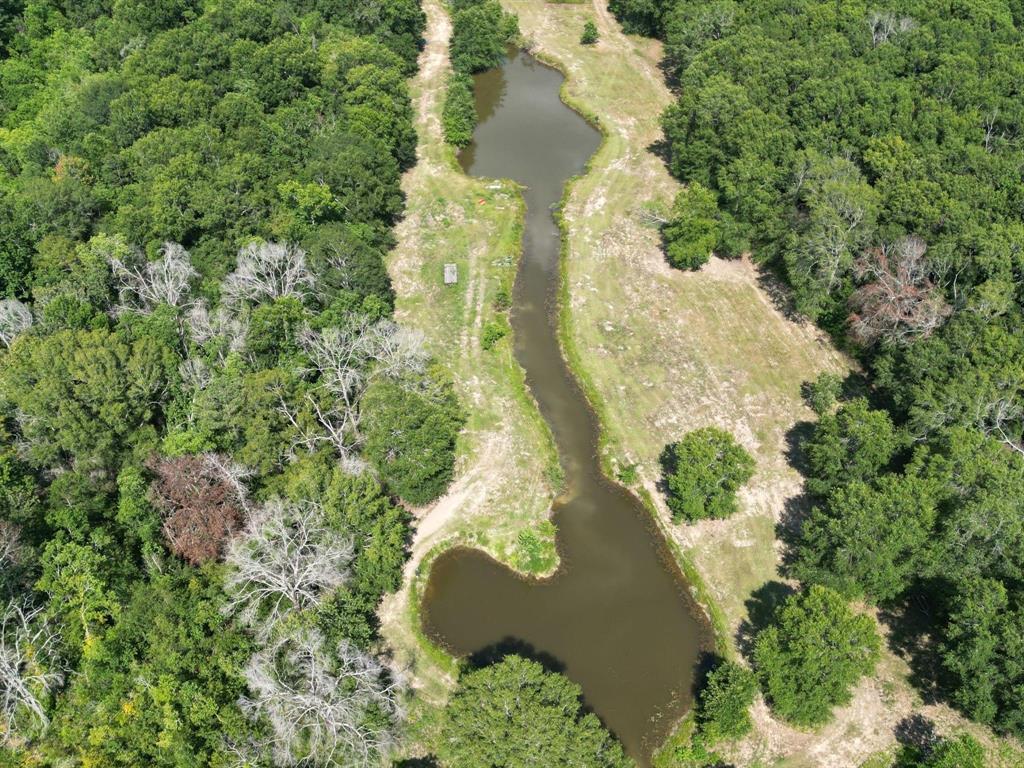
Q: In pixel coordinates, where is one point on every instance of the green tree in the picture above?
(410, 437)
(515, 714)
(161, 687)
(459, 115)
(870, 540)
(982, 650)
(480, 35)
(702, 473)
(962, 751)
(813, 653)
(90, 395)
(854, 443)
(725, 702)
(693, 232)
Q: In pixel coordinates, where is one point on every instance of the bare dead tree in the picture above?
(899, 301)
(318, 701)
(1001, 419)
(15, 319)
(195, 374)
(30, 667)
(222, 324)
(144, 287)
(345, 361)
(268, 271)
(397, 352)
(837, 218)
(203, 499)
(10, 545)
(884, 25)
(286, 559)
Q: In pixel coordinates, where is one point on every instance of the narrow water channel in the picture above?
(617, 616)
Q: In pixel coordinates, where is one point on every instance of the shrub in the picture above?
(458, 119)
(694, 230)
(493, 332)
(702, 473)
(822, 393)
(725, 701)
(589, 36)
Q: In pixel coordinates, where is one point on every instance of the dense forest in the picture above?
(873, 156)
(208, 417)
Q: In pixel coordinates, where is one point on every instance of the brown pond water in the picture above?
(617, 616)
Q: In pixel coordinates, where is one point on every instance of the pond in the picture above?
(617, 617)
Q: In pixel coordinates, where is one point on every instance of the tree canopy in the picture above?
(195, 333)
(702, 473)
(516, 714)
(813, 653)
(871, 156)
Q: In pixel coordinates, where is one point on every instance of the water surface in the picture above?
(617, 617)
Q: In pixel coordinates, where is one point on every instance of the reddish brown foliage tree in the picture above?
(899, 302)
(203, 502)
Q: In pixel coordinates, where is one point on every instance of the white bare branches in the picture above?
(233, 473)
(320, 702)
(396, 351)
(1000, 418)
(168, 280)
(29, 666)
(286, 559)
(15, 319)
(345, 361)
(229, 328)
(10, 545)
(884, 25)
(838, 215)
(899, 302)
(267, 271)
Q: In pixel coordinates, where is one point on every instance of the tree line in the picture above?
(871, 155)
(481, 33)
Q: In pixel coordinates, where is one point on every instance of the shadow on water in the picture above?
(617, 617)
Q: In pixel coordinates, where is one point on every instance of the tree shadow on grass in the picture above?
(661, 149)
(780, 295)
(762, 605)
(417, 762)
(911, 624)
(917, 732)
